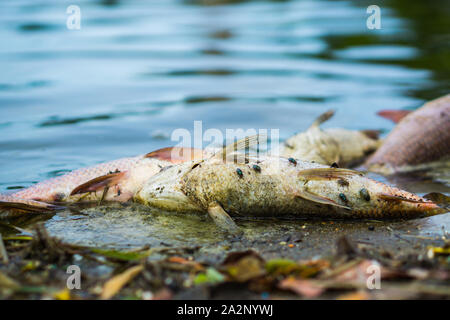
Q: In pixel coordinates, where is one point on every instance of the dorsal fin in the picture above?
(328, 173)
(394, 115)
(176, 154)
(242, 144)
(322, 118)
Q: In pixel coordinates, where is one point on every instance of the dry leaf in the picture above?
(197, 266)
(244, 266)
(163, 294)
(357, 295)
(113, 285)
(64, 294)
(305, 288)
(7, 283)
(363, 270)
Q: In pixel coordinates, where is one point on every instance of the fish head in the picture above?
(377, 199)
(351, 194)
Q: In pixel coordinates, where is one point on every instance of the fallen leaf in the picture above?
(113, 285)
(238, 255)
(24, 238)
(7, 283)
(64, 294)
(360, 272)
(303, 269)
(163, 294)
(31, 265)
(246, 269)
(121, 255)
(436, 251)
(195, 265)
(305, 288)
(357, 295)
(212, 276)
(244, 266)
(281, 266)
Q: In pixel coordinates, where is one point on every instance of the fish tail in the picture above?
(394, 115)
(9, 203)
(322, 118)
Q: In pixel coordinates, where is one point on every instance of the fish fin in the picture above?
(222, 219)
(319, 199)
(393, 115)
(239, 145)
(328, 173)
(322, 118)
(29, 205)
(441, 200)
(99, 183)
(372, 134)
(176, 154)
(390, 197)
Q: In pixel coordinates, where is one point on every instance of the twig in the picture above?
(3, 253)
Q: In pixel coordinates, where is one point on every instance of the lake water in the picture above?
(137, 70)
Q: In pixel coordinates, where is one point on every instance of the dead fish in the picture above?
(225, 188)
(117, 180)
(335, 145)
(420, 140)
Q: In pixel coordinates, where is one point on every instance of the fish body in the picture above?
(274, 186)
(134, 171)
(335, 145)
(117, 180)
(421, 139)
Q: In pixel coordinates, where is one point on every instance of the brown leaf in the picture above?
(113, 285)
(305, 288)
(163, 294)
(237, 255)
(244, 266)
(356, 295)
(180, 260)
(360, 272)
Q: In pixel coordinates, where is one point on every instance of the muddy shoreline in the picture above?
(187, 259)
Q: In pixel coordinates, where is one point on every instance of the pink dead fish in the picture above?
(420, 140)
(117, 180)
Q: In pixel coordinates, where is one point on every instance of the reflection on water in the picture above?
(137, 70)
